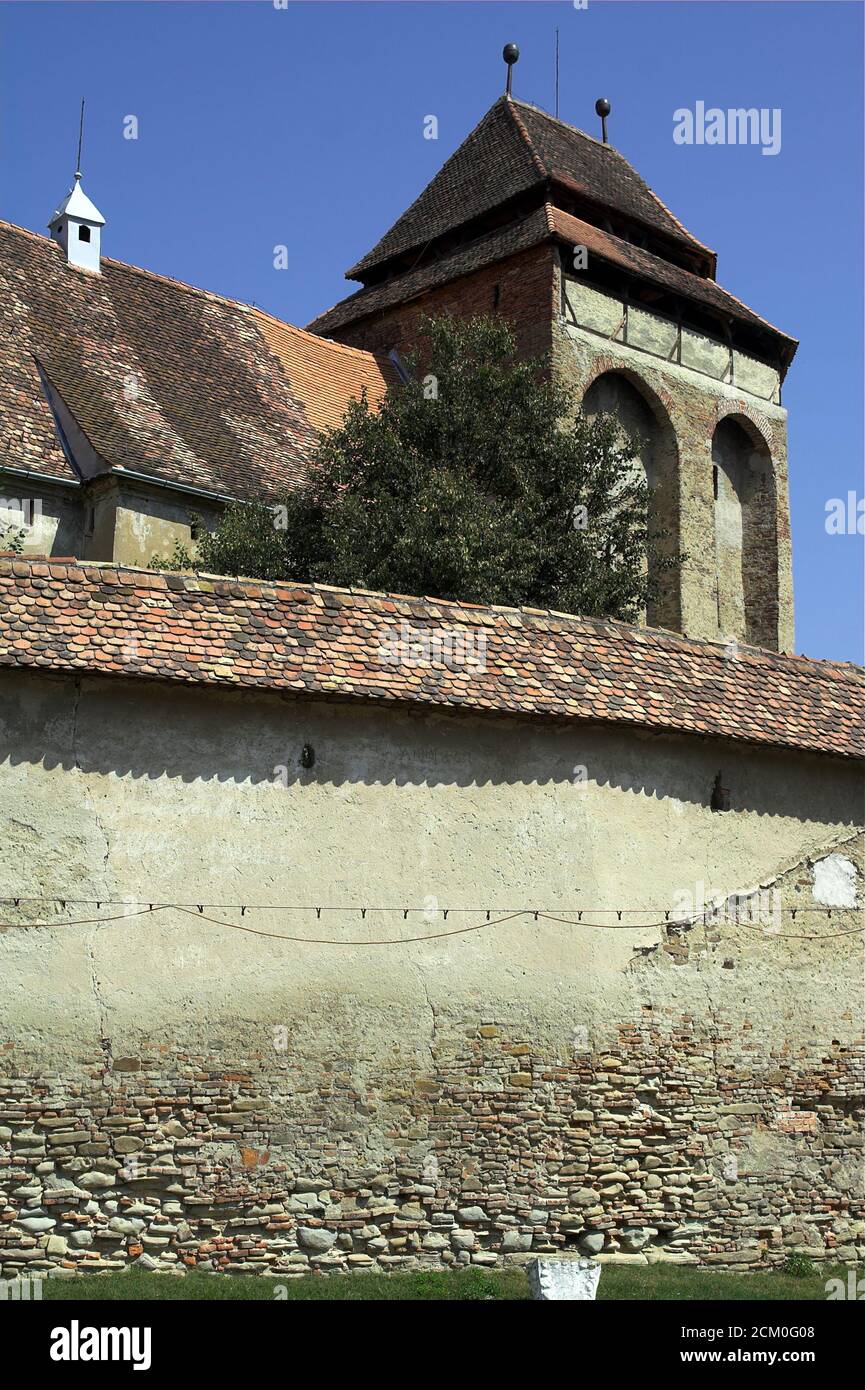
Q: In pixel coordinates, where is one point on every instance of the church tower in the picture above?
(554, 229)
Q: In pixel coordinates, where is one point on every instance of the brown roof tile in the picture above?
(601, 172)
(217, 631)
(548, 223)
(325, 376)
(161, 377)
(495, 246)
(514, 148)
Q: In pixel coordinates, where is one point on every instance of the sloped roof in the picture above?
(548, 223)
(77, 204)
(325, 376)
(185, 386)
(494, 246)
(312, 639)
(708, 293)
(514, 148)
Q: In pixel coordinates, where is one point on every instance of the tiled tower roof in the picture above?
(516, 148)
(522, 178)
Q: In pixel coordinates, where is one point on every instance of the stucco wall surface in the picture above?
(184, 1093)
(51, 520)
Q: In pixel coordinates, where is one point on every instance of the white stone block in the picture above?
(835, 881)
(563, 1279)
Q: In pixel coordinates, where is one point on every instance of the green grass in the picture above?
(655, 1282)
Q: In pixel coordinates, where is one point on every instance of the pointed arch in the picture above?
(746, 540)
(645, 420)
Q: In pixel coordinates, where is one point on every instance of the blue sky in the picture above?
(304, 127)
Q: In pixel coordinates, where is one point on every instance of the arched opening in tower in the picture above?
(746, 559)
(646, 426)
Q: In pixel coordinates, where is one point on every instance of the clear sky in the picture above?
(303, 127)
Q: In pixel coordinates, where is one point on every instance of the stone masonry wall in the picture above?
(667, 1146)
(690, 405)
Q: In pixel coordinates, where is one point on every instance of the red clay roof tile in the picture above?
(185, 386)
(217, 631)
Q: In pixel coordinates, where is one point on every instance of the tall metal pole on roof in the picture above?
(557, 74)
(511, 55)
(80, 139)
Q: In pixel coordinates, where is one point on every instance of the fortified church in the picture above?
(314, 959)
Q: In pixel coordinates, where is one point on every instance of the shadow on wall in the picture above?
(746, 541)
(50, 525)
(645, 422)
(132, 728)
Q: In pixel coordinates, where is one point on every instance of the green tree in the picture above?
(474, 481)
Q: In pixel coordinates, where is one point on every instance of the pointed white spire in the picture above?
(77, 225)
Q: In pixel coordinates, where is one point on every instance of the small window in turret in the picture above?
(83, 233)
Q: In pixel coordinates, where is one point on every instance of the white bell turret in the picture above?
(77, 226)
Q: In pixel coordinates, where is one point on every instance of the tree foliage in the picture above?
(474, 480)
(12, 539)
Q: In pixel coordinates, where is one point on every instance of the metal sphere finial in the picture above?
(511, 55)
(602, 107)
